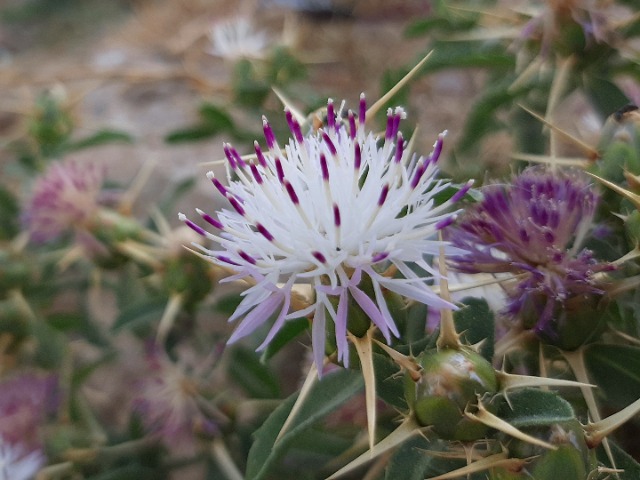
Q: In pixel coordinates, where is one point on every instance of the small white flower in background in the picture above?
(238, 38)
(16, 463)
(338, 209)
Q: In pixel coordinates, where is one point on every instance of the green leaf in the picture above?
(325, 396)
(141, 315)
(227, 304)
(604, 95)
(290, 330)
(531, 407)
(623, 460)
(101, 138)
(215, 117)
(191, 134)
(389, 384)
(253, 376)
(612, 367)
(475, 322)
(9, 210)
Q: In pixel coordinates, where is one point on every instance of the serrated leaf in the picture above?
(531, 407)
(328, 394)
(613, 366)
(475, 322)
(254, 377)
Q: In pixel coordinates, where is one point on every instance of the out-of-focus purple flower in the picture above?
(166, 400)
(534, 227)
(64, 198)
(25, 401)
(18, 462)
(334, 208)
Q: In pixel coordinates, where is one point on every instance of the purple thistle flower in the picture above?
(166, 400)
(25, 401)
(534, 227)
(64, 198)
(330, 208)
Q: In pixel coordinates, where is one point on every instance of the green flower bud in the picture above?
(451, 381)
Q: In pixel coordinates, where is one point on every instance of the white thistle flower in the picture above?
(237, 38)
(329, 209)
(16, 464)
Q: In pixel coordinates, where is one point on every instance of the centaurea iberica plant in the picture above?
(336, 208)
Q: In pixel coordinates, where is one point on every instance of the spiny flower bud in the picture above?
(451, 382)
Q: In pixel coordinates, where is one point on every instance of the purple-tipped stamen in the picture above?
(268, 133)
(264, 232)
(383, 195)
(216, 183)
(336, 215)
(279, 170)
(259, 154)
(329, 143)
(437, 147)
(445, 223)
(292, 193)
(245, 256)
(362, 114)
(353, 130)
(294, 126)
(399, 148)
(331, 115)
(199, 230)
(462, 192)
(388, 134)
(357, 153)
(225, 259)
(210, 220)
(239, 160)
(319, 256)
(227, 153)
(236, 205)
(324, 167)
(379, 257)
(256, 174)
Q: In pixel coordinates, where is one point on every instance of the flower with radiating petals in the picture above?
(18, 463)
(237, 38)
(534, 227)
(166, 401)
(25, 400)
(338, 208)
(64, 198)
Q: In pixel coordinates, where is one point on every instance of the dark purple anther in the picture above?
(353, 130)
(388, 134)
(259, 155)
(445, 223)
(357, 162)
(237, 157)
(462, 192)
(324, 167)
(268, 133)
(331, 116)
(211, 221)
(320, 257)
(221, 188)
(227, 153)
(383, 195)
(418, 172)
(292, 193)
(379, 257)
(396, 124)
(336, 215)
(236, 205)
(265, 233)
(327, 140)
(245, 256)
(193, 226)
(399, 148)
(224, 259)
(256, 174)
(294, 126)
(279, 170)
(437, 148)
(363, 110)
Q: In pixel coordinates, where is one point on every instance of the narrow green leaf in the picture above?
(253, 376)
(191, 134)
(613, 366)
(328, 394)
(623, 460)
(215, 117)
(605, 96)
(531, 407)
(141, 314)
(101, 138)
